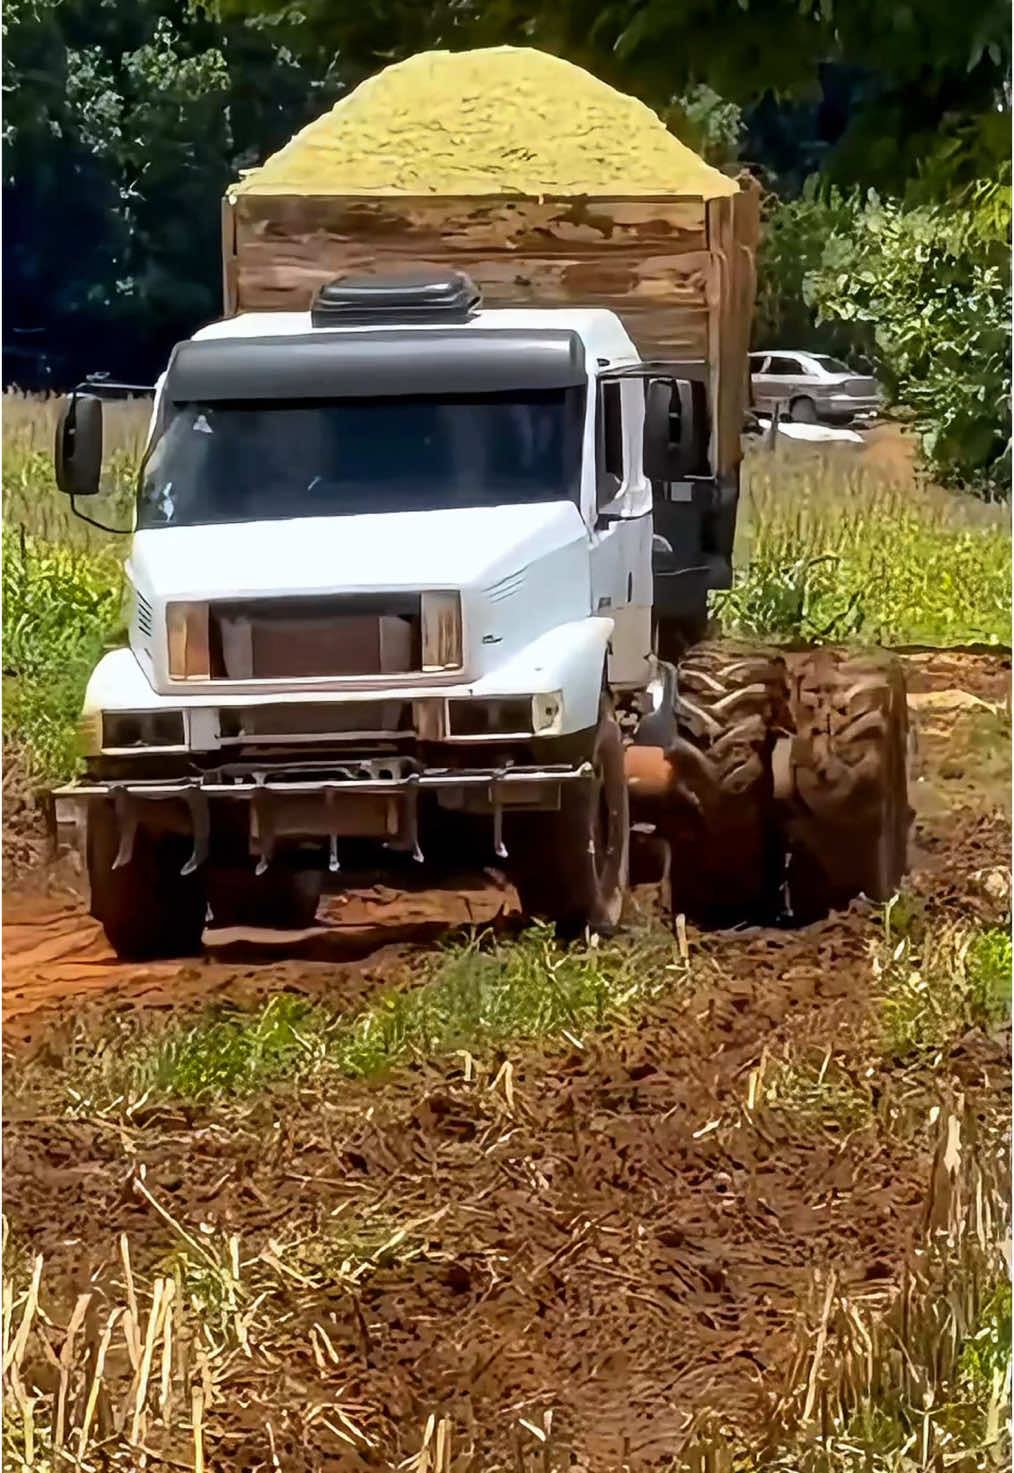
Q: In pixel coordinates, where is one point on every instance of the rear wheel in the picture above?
(719, 817)
(572, 866)
(803, 411)
(848, 817)
(282, 899)
(147, 908)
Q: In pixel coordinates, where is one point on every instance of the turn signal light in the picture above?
(441, 631)
(189, 646)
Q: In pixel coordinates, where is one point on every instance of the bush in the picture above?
(927, 292)
(61, 605)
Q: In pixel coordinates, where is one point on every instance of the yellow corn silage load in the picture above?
(548, 186)
(506, 120)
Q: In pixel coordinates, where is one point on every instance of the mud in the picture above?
(57, 961)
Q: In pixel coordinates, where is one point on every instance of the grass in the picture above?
(62, 606)
(832, 551)
(471, 997)
(940, 984)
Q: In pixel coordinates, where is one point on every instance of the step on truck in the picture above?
(423, 543)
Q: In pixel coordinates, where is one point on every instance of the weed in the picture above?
(232, 1055)
(832, 552)
(986, 1358)
(937, 986)
(473, 995)
(821, 1092)
(988, 968)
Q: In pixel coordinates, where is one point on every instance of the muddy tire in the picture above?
(719, 818)
(803, 411)
(848, 817)
(281, 899)
(148, 909)
(572, 866)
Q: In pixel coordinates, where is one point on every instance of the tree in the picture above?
(123, 126)
(926, 292)
(926, 80)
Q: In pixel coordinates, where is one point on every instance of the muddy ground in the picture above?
(602, 1232)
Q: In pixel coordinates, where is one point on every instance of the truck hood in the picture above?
(473, 547)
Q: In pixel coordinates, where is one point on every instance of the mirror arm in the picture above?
(98, 384)
(116, 531)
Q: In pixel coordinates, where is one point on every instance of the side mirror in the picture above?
(78, 454)
(671, 431)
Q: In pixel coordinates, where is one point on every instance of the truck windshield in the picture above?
(254, 461)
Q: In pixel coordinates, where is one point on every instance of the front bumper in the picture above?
(375, 798)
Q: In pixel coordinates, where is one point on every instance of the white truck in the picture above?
(402, 581)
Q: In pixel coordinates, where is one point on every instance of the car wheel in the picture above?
(803, 411)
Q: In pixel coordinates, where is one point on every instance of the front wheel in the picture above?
(147, 908)
(282, 899)
(572, 866)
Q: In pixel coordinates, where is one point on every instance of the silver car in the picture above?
(811, 387)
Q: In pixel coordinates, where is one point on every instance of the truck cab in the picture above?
(392, 579)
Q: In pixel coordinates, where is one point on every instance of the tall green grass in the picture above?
(62, 580)
(61, 606)
(830, 550)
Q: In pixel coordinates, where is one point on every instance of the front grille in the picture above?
(294, 638)
(247, 723)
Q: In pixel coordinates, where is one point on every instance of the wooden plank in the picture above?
(286, 277)
(733, 231)
(667, 225)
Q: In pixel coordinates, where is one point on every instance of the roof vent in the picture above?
(426, 294)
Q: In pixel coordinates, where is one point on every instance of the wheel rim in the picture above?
(602, 832)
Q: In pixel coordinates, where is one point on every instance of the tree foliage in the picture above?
(925, 292)
(926, 80)
(122, 127)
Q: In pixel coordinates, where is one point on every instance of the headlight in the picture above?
(189, 648)
(547, 713)
(89, 734)
(441, 631)
(510, 716)
(142, 729)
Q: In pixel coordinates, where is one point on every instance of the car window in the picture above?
(785, 366)
(757, 361)
(831, 365)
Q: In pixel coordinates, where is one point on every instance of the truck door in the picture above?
(620, 538)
